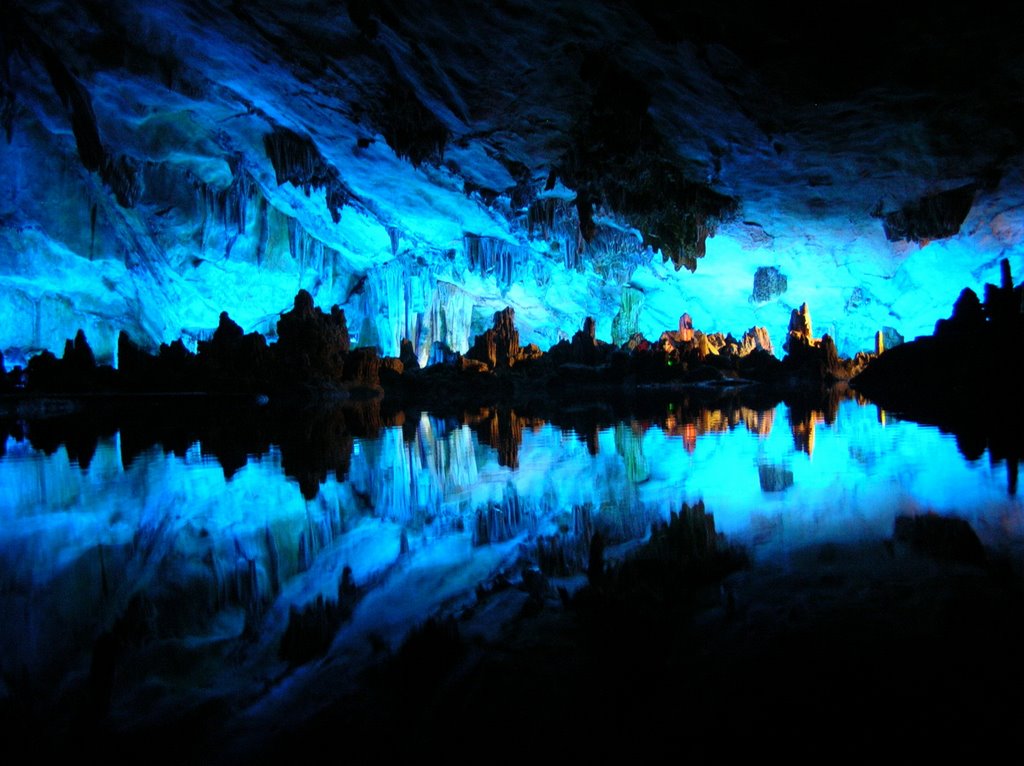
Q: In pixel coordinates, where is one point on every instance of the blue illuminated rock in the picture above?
(163, 165)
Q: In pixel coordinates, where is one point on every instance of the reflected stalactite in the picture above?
(312, 628)
(509, 438)
(568, 552)
(810, 410)
(629, 445)
(758, 422)
(500, 521)
(448, 453)
(241, 561)
(502, 429)
(805, 416)
(690, 424)
(803, 431)
(774, 478)
(690, 432)
(313, 449)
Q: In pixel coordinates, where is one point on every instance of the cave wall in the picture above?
(167, 161)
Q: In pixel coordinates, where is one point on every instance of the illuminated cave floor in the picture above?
(857, 649)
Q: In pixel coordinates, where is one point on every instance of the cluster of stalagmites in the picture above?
(817, 358)
(685, 355)
(971, 355)
(313, 353)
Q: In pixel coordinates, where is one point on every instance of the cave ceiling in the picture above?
(621, 142)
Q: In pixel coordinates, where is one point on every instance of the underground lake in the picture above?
(228, 590)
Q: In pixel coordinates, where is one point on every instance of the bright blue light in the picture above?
(214, 555)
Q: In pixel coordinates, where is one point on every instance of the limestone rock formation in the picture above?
(362, 368)
(408, 356)
(234, 361)
(585, 344)
(891, 337)
(769, 283)
(800, 332)
(164, 164)
(498, 347)
(311, 345)
(971, 357)
(685, 328)
(75, 371)
(756, 338)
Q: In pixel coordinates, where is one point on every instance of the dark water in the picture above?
(187, 552)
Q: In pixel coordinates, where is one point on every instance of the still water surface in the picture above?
(194, 563)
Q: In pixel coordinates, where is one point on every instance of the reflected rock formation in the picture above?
(161, 564)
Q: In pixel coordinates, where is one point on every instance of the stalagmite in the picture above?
(756, 338)
(499, 346)
(685, 328)
(800, 332)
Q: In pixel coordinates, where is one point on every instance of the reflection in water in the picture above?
(153, 564)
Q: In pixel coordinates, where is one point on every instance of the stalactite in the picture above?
(935, 216)
(228, 209)
(385, 307)
(626, 321)
(7, 109)
(541, 215)
(263, 238)
(615, 253)
(121, 174)
(490, 255)
(409, 127)
(572, 254)
(393, 235)
(310, 252)
(92, 231)
(448, 320)
(297, 159)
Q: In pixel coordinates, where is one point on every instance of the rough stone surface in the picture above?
(498, 347)
(800, 331)
(769, 283)
(163, 162)
(756, 338)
